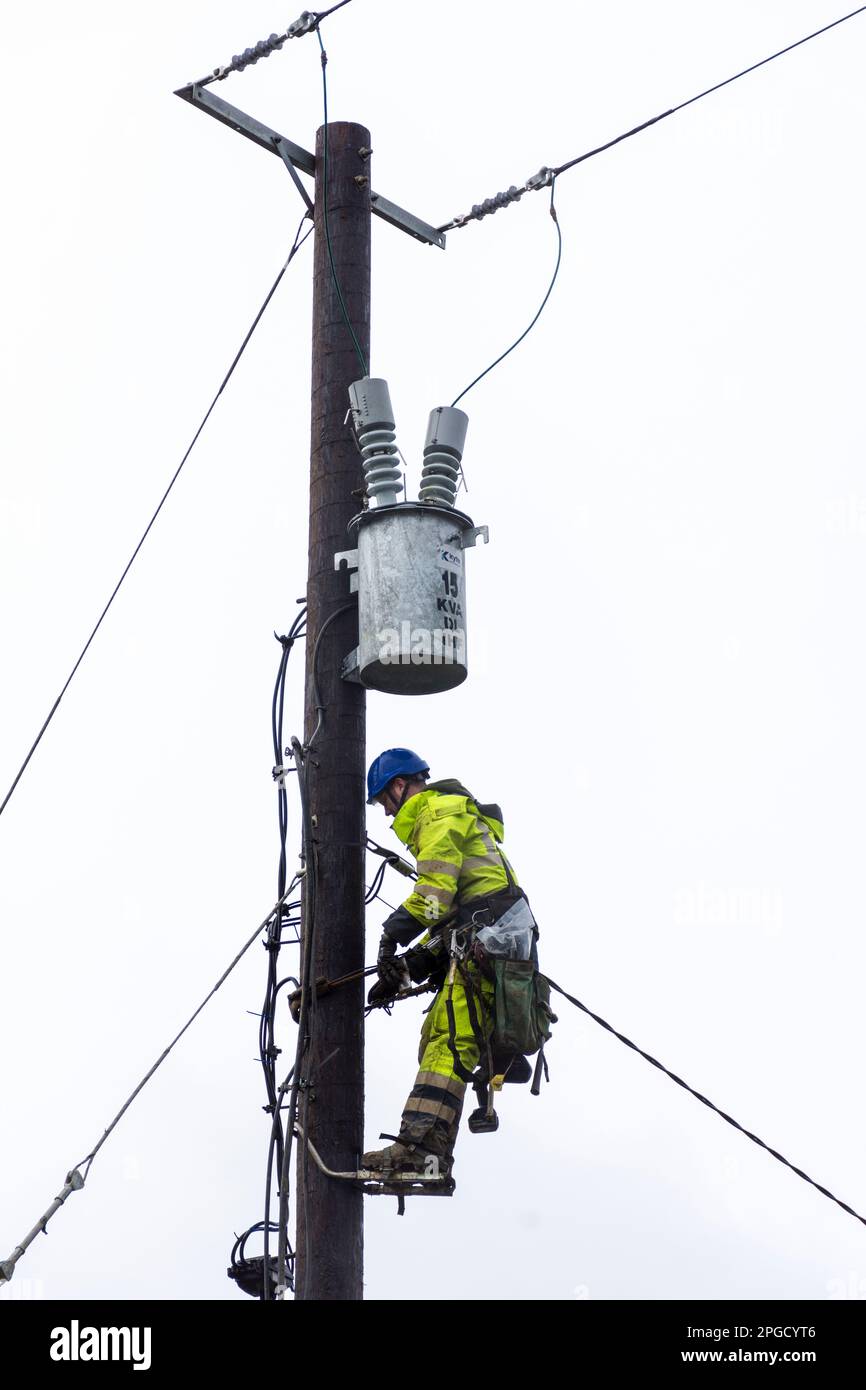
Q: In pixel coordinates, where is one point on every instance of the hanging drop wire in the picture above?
(519, 340)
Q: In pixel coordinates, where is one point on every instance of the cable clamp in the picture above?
(280, 774)
(304, 24)
(543, 179)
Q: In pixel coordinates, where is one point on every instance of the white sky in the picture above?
(666, 632)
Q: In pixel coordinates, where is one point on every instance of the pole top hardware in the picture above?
(295, 157)
(304, 24)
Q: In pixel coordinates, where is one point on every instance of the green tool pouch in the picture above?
(523, 1016)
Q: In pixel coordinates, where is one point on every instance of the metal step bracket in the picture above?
(378, 1184)
(350, 670)
(349, 558)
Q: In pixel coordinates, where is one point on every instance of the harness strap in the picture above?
(459, 1068)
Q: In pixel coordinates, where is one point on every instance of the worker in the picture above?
(464, 877)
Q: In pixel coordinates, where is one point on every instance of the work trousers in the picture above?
(436, 1100)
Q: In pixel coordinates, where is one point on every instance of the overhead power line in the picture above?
(542, 178)
(825, 1192)
(296, 246)
(75, 1179)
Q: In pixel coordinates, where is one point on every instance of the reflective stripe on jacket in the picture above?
(456, 846)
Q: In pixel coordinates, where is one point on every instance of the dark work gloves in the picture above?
(392, 972)
(380, 994)
(421, 960)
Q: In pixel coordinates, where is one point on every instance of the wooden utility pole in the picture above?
(330, 1230)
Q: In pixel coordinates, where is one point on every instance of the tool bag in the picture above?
(523, 1016)
(522, 1013)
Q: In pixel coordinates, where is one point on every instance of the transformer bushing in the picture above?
(443, 450)
(373, 419)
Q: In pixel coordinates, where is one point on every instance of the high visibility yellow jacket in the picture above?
(456, 844)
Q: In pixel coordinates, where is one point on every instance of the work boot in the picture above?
(428, 1129)
(424, 1153)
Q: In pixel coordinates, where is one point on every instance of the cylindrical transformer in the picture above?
(412, 597)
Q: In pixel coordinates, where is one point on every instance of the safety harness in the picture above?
(522, 1016)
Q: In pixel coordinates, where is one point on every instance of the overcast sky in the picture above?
(667, 675)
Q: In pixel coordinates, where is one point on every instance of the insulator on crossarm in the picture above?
(373, 419)
(443, 451)
(263, 49)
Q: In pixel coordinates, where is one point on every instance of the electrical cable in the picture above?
(317, 695)
(373, 888)
(75, 1179)
(281, 1142)
(268, 1050)
(334, 984)
(513, 194)
(385, 903)
(345, 312)
(323, 14)
(238, 355)
(307, 1007)
(296, 631)
(704, 1101)
(518, 341)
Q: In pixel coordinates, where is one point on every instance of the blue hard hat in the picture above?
(394, 762)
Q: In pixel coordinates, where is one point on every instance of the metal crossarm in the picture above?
(297, 158)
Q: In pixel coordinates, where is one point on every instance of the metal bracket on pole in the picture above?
(349, 558)
(406, 221)
(350, 669)
(283, 151)
(386, 1184)
(297, 158)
